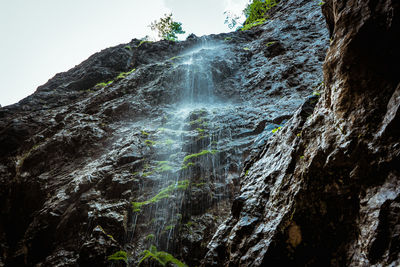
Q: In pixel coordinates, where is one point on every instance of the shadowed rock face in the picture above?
(325, 192)
(322, 191)
(75, 155)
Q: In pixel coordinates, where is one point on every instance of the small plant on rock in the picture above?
(123, 75)
(119, 256)
(202, 153)
(276, 129)
(165, 193)
(161, 257)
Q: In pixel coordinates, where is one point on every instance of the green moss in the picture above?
(165, 193)
(149, 142)
(123, 75)
(246, 48)
(143, 42)
(104, 84)
(163, 166)
(199, 184)
(270, 43)
(253, 24)
(190, 224)
(202, 153)
(23, 157)
(119, 256)
(198, 121)
(276, 129)
(190, 164)
(145, 174)
(161, 257)
(144, 133)
(316, 93)
(200, 131)
(150, 237)
(169, 227)
(173, 58)
(128, 47)
(228, 38)
(169, 142)
(202, 137)
(246, 173)
(137, 206)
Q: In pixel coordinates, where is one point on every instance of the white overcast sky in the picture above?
(39, 38)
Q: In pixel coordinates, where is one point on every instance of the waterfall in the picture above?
(185, 155)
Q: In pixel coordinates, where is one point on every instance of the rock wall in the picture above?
(325, 192)
(321, 190)
(87, 161)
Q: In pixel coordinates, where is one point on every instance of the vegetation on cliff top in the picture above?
(167, 28)
(256, 13)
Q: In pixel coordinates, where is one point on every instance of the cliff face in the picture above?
(149, 148)
(325, 192)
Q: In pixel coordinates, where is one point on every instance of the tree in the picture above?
(232, 20)
(167, 28)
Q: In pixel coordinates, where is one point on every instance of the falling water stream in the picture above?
(185, 174)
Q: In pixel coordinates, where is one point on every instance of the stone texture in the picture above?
(325, 191)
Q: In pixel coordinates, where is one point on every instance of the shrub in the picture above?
(256, 12)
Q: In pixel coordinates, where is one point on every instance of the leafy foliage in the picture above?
(165, 193)
(253, 24)
(256, 12)
(161, 257)
(167, 28)
(231, 20)
(119, 256)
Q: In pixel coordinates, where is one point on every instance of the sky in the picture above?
(40, 38)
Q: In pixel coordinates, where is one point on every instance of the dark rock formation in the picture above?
(76, 154)
(326, 191)
(90, 163)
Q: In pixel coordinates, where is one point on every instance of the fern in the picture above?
(119, 256)
(161, 257)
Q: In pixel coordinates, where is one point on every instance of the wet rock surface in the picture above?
(118, 155)
(325, 191)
